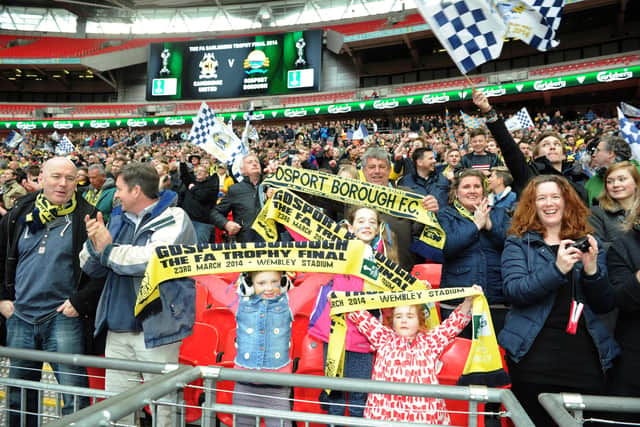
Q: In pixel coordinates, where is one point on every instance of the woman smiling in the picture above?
(553, 338)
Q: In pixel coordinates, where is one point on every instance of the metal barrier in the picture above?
(560, 407)
(175, 378)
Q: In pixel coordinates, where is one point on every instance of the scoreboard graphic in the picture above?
(235, 67)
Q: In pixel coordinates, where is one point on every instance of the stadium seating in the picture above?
(430, 272)
(53, 47)
(310, 362)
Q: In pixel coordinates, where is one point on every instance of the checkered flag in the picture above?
(520, 120)
(630, 133)
(472, 122)
(468, 29)
(65, 146)
(202, 126)
(551, 15)
(472, 31)
(534, 22)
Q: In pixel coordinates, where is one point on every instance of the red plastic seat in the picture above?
(310, 362)
(201, 347)
(299, 329)
(432, 273)
(453, 360)
(222, 319)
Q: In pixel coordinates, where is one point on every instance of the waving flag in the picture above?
(472, 31)
(450, 134)
(65, 146)
(13, 139)
(630, 133)
(520, 120)
(472, 122)
(210, 133)
(360, 133)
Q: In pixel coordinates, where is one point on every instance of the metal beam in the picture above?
(414, 53)
(111, 82)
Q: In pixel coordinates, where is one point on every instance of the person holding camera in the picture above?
(555, 279)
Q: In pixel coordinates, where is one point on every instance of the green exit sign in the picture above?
(164, 87)
(300, 78)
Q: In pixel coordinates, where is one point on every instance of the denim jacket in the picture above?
(264, 332)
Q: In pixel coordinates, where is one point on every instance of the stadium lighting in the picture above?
(265, 13)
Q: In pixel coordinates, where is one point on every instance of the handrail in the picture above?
(558, 406)
(176, 377)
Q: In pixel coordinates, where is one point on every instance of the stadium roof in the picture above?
(138, 17)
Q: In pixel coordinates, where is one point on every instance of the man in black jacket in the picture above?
(549, 155)
(243, 200)
(44, 296)
(200, 198)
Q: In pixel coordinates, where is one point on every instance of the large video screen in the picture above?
(235, 67)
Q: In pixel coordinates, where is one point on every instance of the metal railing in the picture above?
(174, 378)
(567, 409)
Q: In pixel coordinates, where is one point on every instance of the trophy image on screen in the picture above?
(164, 71)
(300, 44)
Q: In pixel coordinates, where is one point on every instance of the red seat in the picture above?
(311, 362)
(299, 329)
(191, 394)
(429, 272)
(201, 347)
(453, 360)
(222, 319)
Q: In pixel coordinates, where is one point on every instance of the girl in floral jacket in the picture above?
(406, 352)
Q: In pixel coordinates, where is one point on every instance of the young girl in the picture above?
(358, 359)
(263, 315)
(405, 352)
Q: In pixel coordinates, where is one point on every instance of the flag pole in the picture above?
(473, 86)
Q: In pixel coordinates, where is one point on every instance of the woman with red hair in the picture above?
(555, 278)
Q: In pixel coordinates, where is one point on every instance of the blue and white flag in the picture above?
(360, 133)
(202, 126)
(13, 139)
(472, 31)
(629, 110)
(520, 120)
(65, 146)
(630, 133)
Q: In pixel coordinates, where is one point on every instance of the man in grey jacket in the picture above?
(144, 220)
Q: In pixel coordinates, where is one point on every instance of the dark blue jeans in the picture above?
(203, 231)
(59, 334)
(356, 365)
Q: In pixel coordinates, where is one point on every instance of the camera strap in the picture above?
(576, 309)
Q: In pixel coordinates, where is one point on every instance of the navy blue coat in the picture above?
(435, 185)
(473, 256)
(531, 280)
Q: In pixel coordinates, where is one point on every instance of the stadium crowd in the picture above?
(545, 220)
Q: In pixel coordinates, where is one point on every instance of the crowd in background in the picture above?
(515, 206)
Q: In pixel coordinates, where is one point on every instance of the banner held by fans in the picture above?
(177, 261)
(484, 363)
(305, 219)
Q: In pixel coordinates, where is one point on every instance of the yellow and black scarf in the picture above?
(44, 212)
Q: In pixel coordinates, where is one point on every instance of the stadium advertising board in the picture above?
(267, 64)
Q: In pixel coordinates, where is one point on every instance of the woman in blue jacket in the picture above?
(475, 238)
(552, 337)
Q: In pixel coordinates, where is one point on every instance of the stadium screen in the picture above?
(235, 67)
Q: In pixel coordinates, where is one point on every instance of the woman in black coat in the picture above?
(623, 260)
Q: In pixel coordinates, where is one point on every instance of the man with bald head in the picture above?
(44, 295)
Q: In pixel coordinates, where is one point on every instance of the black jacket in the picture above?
(88, 290)
(200, 199)
(623, 261)
(243, 200)
(522, 171)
